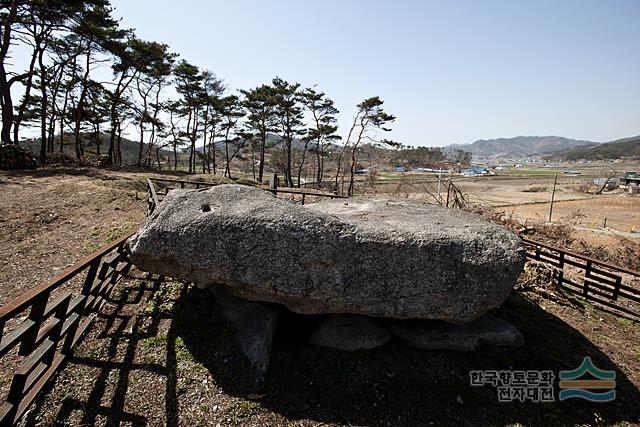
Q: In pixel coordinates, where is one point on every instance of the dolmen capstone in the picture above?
(376, 257)
(381, 258)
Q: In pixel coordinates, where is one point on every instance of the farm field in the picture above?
(526, 197)
(620, 213)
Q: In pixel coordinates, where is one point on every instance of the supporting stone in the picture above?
(255, 325)
(349, 333)
(431, 335)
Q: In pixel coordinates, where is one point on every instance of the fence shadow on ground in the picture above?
(391, 385)
(110, 367)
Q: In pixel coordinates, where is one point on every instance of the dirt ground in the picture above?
(490, 190)
(621, 212)
(51, 218)
(144, 362)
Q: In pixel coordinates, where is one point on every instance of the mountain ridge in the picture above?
(624, 147)
(519, 146)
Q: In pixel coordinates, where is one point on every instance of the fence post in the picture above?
(553, 194)
(585, 282)
(561, 269)
(35, 315)
(60, 315)
(616, 289)
(273, 182)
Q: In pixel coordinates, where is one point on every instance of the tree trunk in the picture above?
(115, 122)
(144, 95)
(97, 139)
(304, 154)
(64, 109)
(52, 121)
(43, 107)
(253, 159)
(352, 171)
(175, 157)
(212, 146)
(227, 170)
(191, 148)
(263, 147)
(319, 166)
(27, 94)
(79, 105)
(118, 146)
(344, 147)
(354, 159)
(288, 168)
(205, 154)
(5, 84)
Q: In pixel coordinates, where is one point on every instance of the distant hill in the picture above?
(129, 148)
(520, 146)
(274, 140)
(626, 147)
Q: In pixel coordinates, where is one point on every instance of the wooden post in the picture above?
(448, 191)
(616, 289)
(273, 182)
(439, 181)
(560, 270)
(28, 343)
(553, 194)
(585, 282)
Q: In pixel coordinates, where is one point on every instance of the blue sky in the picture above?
(451, 71)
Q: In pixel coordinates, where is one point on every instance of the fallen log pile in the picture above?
(13, 157)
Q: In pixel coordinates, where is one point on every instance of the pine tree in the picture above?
(290, 120)
(323, 129)
(261, 120)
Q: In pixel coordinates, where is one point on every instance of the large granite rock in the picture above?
(377, 257)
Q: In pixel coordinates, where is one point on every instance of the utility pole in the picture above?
(439, 181)
(553, 193)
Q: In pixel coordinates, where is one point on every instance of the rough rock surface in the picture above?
(349, 332)
(429, 335)
(377, 257)
(255, 325)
